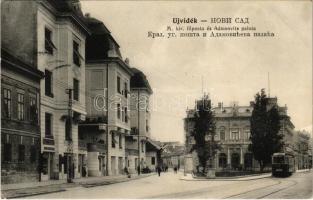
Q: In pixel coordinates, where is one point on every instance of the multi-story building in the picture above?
(51, 35)
(302, 148)
(102, 135)
(61, 34)
(140, 91)
(20, 132)
(233, 134)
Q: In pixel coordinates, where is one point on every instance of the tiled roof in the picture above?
(139, 80)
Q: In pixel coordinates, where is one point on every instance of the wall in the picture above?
(18, 28)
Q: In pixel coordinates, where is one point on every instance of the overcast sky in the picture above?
(233, 69)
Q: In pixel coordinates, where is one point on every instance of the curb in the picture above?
(34, 194)
(96, 184)
(227, 179)
(86, 185)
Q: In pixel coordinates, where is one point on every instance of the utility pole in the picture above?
(138, 132)
(70, 117)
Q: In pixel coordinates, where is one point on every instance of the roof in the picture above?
(72, 9)
(139, 80)
(152, 145)
(11, 61)
(173, 150)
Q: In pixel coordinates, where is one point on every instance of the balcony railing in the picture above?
(48, 141)
(240, 141)
(82, 145)
(131, 152)
(87, 146)
(101, 148)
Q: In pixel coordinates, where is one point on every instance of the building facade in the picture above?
(233, 134)
(20, 132)
(51, 36)
(136, 142)
(61, 35)
(20, 96)
(102, 135)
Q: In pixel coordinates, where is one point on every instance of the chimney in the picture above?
(87, 15)
(127, 61)
(251, 103)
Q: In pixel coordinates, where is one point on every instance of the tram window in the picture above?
(279, 159)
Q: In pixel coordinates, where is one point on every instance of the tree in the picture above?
(265, 125)
(204, 132)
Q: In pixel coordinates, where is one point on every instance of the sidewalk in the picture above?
(29, 189)
(190, 177)
(303, 170)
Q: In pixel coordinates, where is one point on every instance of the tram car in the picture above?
(283, 164)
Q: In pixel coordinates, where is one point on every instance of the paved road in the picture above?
(169, 185)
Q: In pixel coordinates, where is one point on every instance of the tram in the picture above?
(283, 164)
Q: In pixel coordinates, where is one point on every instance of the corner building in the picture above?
(102, 135)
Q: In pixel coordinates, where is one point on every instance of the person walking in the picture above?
(159, 170)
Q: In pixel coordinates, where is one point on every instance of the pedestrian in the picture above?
(175, 170)
(159, 170)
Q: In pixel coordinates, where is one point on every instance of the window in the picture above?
(21, 153)
(76, 55)
(33, 113)
(113, 140)
(120, 141)
(20, 106)
(48, 83)
(33, 154)
(7, 152)
(222, 134)
(48, 125)
(60, 162)
(147, 126)
(152, 160)
(118, 111)
(126, 115)
(49, 46)
(125, 89)
(6, 103)
(76, 89)
(118, 84)
(247, 134)
(68, 130)
(235, 135)
(142, 146)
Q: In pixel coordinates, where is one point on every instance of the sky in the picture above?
(229, 69)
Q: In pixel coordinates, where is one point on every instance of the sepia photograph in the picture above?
(155, 99)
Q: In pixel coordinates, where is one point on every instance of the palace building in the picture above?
(233, 133)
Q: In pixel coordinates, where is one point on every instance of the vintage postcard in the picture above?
(156, 99)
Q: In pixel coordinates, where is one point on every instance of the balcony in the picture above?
(82, 145)
(240, 141)
(48, 140)
(131, 152)
(92, 147)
